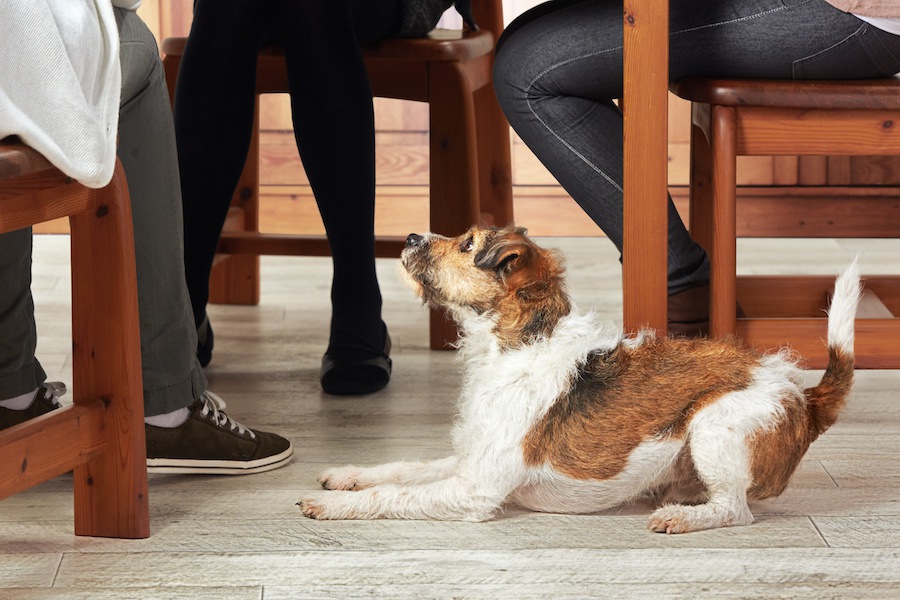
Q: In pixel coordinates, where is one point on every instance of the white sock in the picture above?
(20, 402)
(169, 419)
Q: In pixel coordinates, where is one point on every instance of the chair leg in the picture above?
(701, 189)
(110, 489)
(723, 266)
(454, 202)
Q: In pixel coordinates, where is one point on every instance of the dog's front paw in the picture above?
(347, 478)
(678, 518)
(337, 506)
(669, 519)
(313, 507)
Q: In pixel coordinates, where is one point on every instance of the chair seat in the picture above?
(440, 45)
(17, 160)
(869, 94)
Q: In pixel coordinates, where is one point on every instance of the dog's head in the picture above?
(490, 270)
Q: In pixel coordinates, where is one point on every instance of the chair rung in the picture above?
(51, 445)
(877, 340)
(763, 131)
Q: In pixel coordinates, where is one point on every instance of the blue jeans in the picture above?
(559, 66)
(172, 377)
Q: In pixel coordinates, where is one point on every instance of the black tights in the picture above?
(331, 106)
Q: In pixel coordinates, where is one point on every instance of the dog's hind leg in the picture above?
(400, 473)
(722, 463)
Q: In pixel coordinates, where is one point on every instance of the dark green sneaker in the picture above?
(210, 442)
(46, 398)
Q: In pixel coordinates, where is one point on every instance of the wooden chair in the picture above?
(757, 117)
(470, 172)
(101, 435)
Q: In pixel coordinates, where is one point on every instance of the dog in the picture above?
(561, 412)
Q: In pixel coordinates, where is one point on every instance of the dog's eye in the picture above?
(467, 245)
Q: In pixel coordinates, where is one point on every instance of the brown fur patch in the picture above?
(828, 398)
(631, 396)
(535, 299)
(776, 453)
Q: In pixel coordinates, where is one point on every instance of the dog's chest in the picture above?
(504, 397)
(515, 406)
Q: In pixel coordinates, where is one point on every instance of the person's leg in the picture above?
(331, 102)
(780, 39)
(172, 376)
(186, 429)
(559, 67)
(214, 104)
(21, 374)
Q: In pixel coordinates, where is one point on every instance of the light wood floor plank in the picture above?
(141, 593)
(517, 530)
(568, 591)
(478, 567)
(23, 568)
(860, 532)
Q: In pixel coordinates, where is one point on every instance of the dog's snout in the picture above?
(414, 240)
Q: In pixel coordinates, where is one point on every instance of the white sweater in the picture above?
(60, 82)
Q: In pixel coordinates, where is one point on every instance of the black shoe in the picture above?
(688, 312)
(46, 398)
(212, 443)
(356, 370)
(205, 341)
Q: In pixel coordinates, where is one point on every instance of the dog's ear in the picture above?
(505, 252)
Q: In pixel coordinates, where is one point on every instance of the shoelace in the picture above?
(53, 390)
(215, 405)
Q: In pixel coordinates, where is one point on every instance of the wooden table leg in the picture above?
(646, 76)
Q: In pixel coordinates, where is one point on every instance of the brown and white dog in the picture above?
(560, 412)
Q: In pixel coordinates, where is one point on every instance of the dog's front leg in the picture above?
(400, 473)
(455, 498)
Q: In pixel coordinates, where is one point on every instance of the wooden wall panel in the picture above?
(402, 159)
(167, 18)
(875, 170)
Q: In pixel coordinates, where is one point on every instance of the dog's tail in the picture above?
(826, 400)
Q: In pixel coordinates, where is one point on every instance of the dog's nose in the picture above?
(414, 240)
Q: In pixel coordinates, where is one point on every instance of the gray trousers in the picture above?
(559, 66)
(172, 377)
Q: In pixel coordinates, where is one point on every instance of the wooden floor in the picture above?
(835, 533)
